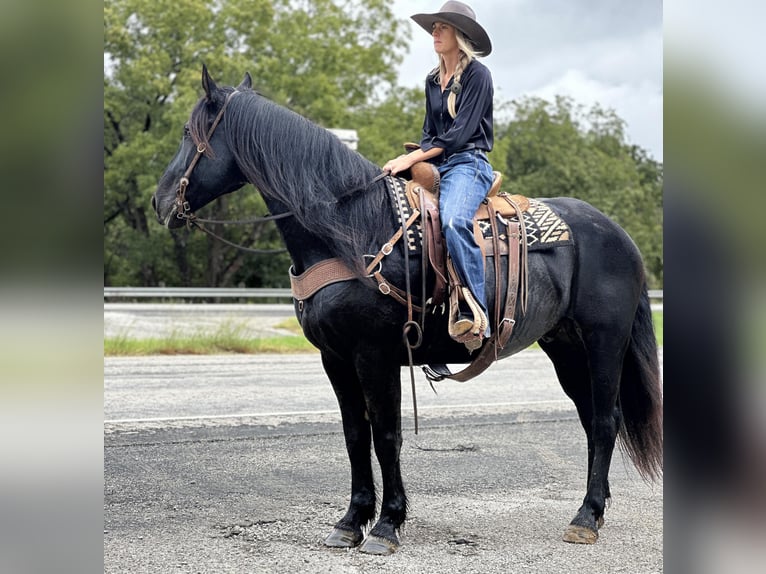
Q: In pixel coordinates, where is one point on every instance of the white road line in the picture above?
(331, 412)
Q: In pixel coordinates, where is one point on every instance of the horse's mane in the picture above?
(307, 169)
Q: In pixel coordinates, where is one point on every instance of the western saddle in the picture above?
(422, 190)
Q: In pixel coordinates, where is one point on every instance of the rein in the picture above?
(411, 324)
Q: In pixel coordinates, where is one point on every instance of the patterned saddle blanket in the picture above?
(544, 228)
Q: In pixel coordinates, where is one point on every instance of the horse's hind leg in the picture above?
(356, 429)
(570, 361)
(605, 350)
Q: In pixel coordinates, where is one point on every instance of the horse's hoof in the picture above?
(340, 538)
(600, 522)
(580, 535)
(378, 546)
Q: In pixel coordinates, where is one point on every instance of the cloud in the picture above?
(605, 51)
(640, 105)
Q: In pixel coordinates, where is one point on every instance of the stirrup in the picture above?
(468, 332)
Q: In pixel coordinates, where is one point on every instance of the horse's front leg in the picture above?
(356, 428)
(379, 374)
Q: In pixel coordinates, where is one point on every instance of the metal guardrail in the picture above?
(194, 293)
(222, 292)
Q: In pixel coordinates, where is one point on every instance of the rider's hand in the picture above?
(401, 163)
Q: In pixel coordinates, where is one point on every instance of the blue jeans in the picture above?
(465, 181)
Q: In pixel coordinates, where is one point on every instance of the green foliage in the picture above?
(383, 127)
(333, 62)
(560, 149)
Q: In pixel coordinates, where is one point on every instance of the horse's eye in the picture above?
(187, 132)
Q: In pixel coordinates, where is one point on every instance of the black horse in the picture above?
(588, 305)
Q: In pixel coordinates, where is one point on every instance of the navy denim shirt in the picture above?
(472, 126)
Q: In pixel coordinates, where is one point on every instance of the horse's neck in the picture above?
(313, 239)
(304, 247)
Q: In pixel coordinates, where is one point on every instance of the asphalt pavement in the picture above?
(237, 464)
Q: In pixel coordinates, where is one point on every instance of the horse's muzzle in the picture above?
(166, 213)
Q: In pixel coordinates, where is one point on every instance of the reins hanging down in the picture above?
(248, 221)
(194, 222)
(411, 324)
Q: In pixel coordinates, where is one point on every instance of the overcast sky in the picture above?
(605, 51)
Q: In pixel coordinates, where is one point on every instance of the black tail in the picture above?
(641, 396)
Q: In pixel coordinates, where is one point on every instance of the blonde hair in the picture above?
(467, 55)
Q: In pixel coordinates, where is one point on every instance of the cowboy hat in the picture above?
(462, 17)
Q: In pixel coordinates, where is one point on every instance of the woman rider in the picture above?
(457, 133)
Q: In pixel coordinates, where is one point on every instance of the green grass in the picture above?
(291, 325)
(228, 339)
(204, 345)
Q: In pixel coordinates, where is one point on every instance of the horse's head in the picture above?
(204, 166)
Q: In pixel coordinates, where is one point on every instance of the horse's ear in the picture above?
(207, 83)
(247, 82)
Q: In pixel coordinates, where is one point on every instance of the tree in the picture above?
(383, 127)
(333, 62)
(306, 54)
(560, 149)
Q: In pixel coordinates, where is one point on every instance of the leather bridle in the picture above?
(183, 209)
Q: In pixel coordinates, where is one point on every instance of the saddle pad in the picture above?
(544, 228)
(397, 193)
